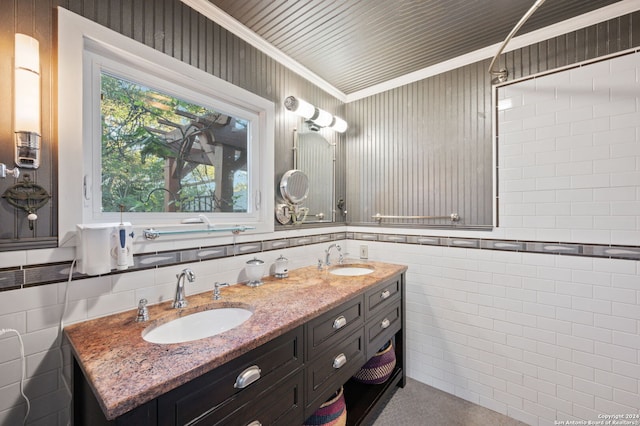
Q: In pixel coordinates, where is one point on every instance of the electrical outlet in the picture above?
(364, 252)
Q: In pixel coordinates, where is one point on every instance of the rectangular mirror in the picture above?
(316, 158)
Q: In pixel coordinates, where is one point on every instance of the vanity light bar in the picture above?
(318, 116)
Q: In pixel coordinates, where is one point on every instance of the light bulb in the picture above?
(27, 85)
(339, 125)
(323, 118)
(299, 107)
(26, 111)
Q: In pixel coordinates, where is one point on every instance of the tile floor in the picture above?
(420, 405)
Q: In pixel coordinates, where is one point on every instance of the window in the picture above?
(164, 140)
(161, 153)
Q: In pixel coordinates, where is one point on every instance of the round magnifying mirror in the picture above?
(294, 186)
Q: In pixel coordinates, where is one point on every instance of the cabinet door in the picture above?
(381, 296)
(280, 404)
(329, 328)
(382, 328)
(222, 389)
(332, 368)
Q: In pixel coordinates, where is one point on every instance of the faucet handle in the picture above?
(143, 311)
(216, 290)
(188, 273)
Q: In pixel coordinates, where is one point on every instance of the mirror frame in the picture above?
(75, 34)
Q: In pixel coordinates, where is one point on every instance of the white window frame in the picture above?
(85, 49)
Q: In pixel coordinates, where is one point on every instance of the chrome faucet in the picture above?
(327, 253)
(180, 301)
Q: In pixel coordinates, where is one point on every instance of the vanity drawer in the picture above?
(332, 368)
(380, 329)
(381, 296)
(278, 405)
(326, 330)
(235, 380)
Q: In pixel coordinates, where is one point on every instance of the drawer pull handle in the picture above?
(339, 322)
(385, 323)
(339, 361)
(247, 377)
(385, 294)
(255, 423)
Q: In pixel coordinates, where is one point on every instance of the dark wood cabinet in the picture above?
(330, 369)
(382, 295)
(329, 328)
(380, 329)
(384, 315)
(298, 372)
(217, 394)
(280, 404)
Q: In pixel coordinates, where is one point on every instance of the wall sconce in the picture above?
(316, 116)
(27, 102)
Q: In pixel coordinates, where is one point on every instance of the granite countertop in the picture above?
(126, 371)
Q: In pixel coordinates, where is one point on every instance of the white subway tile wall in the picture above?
(570, 143)
(538, 337)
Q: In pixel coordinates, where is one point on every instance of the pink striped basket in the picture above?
(331, 413)
(379, 368)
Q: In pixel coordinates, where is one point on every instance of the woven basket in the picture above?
(379, 368)
(331, 413)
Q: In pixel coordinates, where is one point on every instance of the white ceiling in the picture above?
(354, 45)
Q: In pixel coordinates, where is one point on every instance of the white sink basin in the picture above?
(351, 271)
(197, 326)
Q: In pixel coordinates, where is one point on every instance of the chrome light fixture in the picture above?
(27, 102)
(315, 116)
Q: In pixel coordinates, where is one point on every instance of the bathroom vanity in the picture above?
(308, 335)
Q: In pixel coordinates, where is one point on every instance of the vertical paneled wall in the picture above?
(423, 149)
(426, 148)
(166, 25)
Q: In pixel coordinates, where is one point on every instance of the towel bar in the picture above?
(454, 217)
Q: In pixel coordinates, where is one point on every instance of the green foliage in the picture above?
(135, 120)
